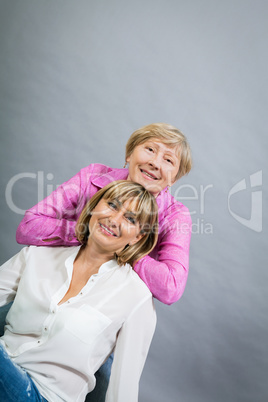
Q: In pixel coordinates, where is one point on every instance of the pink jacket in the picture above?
(164, 270)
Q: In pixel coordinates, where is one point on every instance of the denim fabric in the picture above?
(15, 384)
(102, 380)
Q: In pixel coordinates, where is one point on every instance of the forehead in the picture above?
(131, 204)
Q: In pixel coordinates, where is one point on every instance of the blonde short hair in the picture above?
(147, 216)
(168, 135)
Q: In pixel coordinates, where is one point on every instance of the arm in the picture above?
(166, 277)
(52, 221)
(10, 274)
(130, 353)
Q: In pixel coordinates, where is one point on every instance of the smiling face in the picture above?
(114, 225)
(154, 165)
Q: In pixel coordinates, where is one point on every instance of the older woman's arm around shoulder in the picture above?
(52, 221)
(130, 353)
(166, 276)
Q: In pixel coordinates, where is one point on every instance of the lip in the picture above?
(106, 230)
(151, 176)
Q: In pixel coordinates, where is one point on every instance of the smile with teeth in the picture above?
(107, 230)
(148, 174)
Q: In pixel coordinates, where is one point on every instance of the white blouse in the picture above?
(62, 346)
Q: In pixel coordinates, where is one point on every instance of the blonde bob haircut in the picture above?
(168, 135)
(146, 211)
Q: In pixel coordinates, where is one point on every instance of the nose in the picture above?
(115, 219)
(155, 161)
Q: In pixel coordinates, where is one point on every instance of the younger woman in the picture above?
(74, 305)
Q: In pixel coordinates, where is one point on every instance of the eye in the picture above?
(131, 219)
(112, 205)
(150, 149)
(170, 161)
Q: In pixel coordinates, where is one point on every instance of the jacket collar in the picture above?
(112, 175)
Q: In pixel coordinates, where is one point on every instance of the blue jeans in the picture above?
(102, 375)
(15, 384)
(102, 381)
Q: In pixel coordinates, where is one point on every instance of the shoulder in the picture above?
(173, 209)
(138, 287)
(48, 261)
(102, 174)
(97, 168)
(41, 252)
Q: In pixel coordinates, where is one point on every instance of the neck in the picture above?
(91, 257)
(154, 194)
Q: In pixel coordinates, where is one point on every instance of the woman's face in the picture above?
(113, 225)
(154, 165)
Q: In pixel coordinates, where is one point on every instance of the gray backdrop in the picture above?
(77, 78)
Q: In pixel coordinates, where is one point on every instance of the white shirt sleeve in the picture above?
(10, 274)
(130, 353)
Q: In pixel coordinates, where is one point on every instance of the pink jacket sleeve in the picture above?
(56, 215)
(165, 270)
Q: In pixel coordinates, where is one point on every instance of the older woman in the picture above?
(74, 305)
(158, 155)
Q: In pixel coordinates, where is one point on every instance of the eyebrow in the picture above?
(131, 213)
(120, 204)
(172, 153)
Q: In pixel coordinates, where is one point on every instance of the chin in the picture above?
(152, 188)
